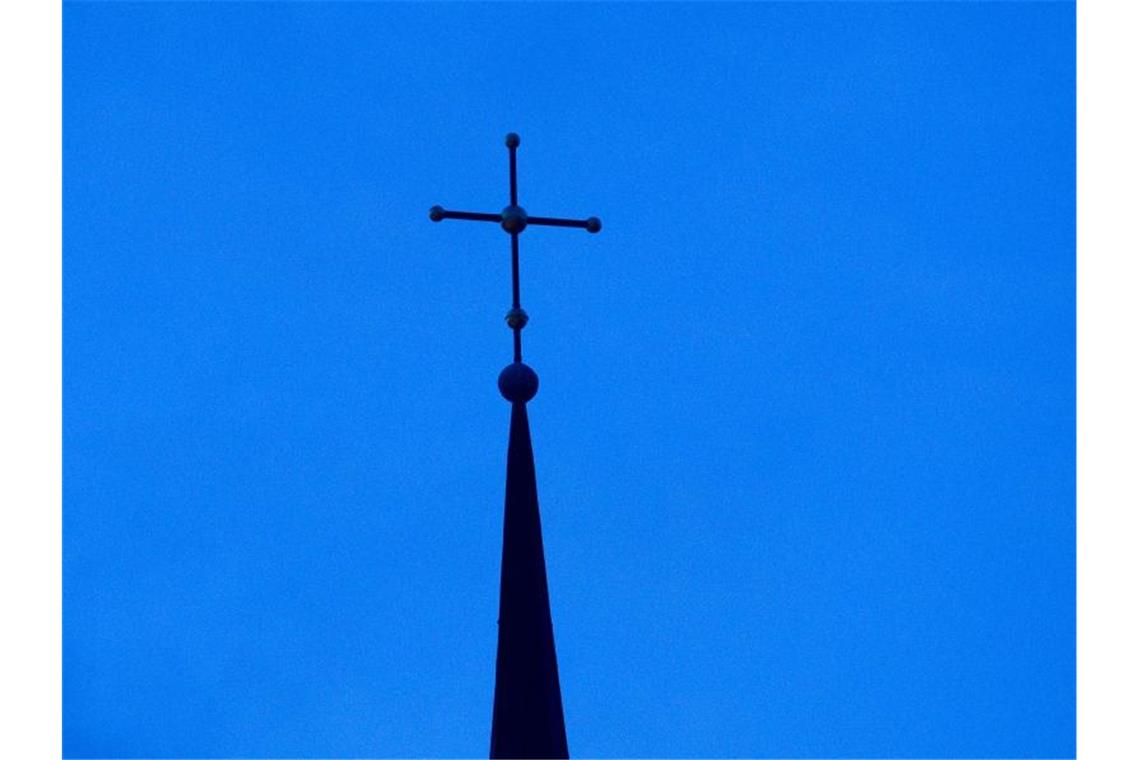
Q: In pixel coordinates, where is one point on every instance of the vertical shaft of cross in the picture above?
(515, 305)
(512, 147)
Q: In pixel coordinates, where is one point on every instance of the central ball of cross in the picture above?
(514, 219)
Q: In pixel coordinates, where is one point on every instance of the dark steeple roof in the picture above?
(527, 721)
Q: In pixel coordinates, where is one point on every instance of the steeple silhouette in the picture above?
(527, 720)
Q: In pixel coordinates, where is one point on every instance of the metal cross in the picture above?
(514, 219)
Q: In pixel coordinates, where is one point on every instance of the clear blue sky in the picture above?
(805, 434)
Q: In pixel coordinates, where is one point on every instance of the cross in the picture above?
(514, 219)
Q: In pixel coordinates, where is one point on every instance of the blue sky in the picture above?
(805, 434)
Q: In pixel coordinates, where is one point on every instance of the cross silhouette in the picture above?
(514, 219)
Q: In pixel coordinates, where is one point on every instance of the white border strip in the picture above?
(1108, 354)
(30, 341)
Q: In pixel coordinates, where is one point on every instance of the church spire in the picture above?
(527, 720)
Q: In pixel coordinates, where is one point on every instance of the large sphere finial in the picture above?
(518, 383)
(512, 140)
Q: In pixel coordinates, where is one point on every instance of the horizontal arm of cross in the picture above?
(514, 220)
(593, 224)
(438, 214)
